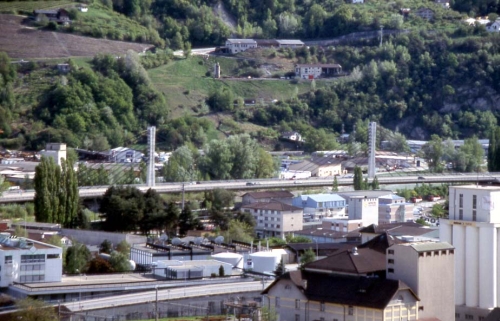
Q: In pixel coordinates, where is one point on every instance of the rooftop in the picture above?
(269, 194)
(251, 41)
(429, 246)
(325, 197)
(275, 206)
(289, 42)
(373, 293)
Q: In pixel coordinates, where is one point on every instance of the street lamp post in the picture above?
(156, 304)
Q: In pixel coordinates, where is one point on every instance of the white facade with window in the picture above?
(473, 228)
(240, 45)
(28, 261)
(275, 218)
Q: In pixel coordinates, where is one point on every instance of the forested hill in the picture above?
(441, 77)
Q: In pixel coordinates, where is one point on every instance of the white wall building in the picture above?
(240, 45)
(172, 269)
(275, 218)
(473, 228)
(125, 155)
(56, 151)
(27, 261)
(494, 26)
(427, 267)
(313, 71)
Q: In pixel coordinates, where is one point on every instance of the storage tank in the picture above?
(235, 259)
(265, 261)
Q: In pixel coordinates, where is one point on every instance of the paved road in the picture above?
(166, 294)
(98, 191)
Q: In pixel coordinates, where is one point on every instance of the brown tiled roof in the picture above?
(270, 194)
(367, 258)
(275, 206)
(358, 291)
(360, 262)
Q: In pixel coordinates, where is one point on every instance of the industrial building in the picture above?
(28, 261)
(473, 229)
(185, 270)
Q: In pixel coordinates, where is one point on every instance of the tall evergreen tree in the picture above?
(335, 187)
(375, 184)
(358, 178)
(494, 151)
(187, 220)
(491, 151)
(56, 192)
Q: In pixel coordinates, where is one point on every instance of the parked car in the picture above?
(421, 177)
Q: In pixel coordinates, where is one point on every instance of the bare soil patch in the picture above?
(20, 41)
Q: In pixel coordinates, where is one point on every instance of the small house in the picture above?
(83, 7)
(239, 45)
(493, 26)
(313, 71)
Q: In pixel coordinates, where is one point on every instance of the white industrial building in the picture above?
(473, 228)
(173, 269)
(27, 261)
(125, 155)
(240, 45)
(56, 151)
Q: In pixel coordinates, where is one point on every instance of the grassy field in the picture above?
(185, 84)
(28, 6)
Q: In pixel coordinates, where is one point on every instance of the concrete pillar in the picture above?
(459, 244)
(471, 266)
(488, 267)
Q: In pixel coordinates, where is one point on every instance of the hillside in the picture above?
(20, 41)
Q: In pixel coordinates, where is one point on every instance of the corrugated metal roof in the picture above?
(325, 197)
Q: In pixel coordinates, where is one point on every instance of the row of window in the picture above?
(33, 267)
(28, 258)
(32, 258)
(321, 306)
(31, 278)
(469, 317)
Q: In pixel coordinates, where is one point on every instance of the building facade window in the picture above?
(8, 259)
(390, 251)
(390, 261)
(322, 306)
(474, 215)
(474, 201)
(461, 200)
(277, 302)
(350, 310)
(297, 304)
(460, 214)
(390, 270)
(469, 317)
(297, 317)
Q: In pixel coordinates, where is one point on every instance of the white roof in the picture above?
(251, 41)
(290, 42)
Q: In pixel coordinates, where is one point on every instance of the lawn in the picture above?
(185, 84)
(29, 6)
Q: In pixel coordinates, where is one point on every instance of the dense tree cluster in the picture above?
(128, 209)
(56, 193)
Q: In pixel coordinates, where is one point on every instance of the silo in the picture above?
(235, 259)
(265, 261)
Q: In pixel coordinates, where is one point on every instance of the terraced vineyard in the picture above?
(29, 6)
(24, 42)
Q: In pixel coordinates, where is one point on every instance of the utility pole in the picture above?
(156, 304)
